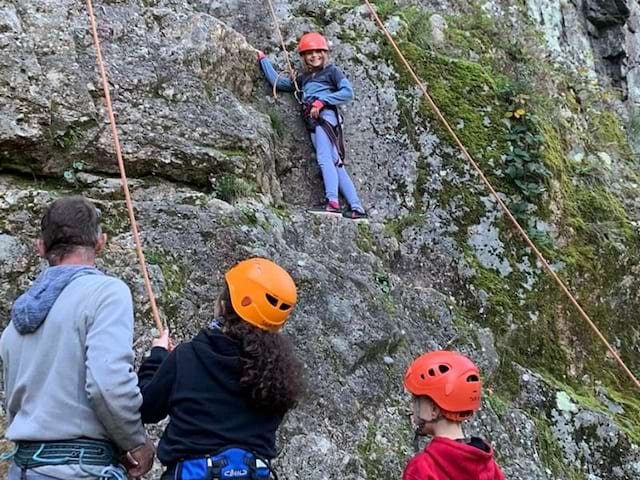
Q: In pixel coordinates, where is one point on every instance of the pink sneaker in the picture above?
(329, 208)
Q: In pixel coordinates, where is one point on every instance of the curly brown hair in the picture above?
(272, 375)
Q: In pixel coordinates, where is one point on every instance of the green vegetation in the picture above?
(114, 220)
(372, 454)
(68, 138)
(383, 281)
(551, 453)
(175, 275)
(230, 188)
(277, 122)
(363, 239)
(486, 85)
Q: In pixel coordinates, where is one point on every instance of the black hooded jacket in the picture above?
(198, 385)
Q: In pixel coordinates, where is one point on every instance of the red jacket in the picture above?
(445, 459)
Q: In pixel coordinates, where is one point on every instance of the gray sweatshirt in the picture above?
(73, 376)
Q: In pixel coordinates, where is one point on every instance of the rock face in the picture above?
(601, 36)
(180, 97)
(606, 14)
(221, 170)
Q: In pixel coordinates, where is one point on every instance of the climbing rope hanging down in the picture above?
(292, 72)
(502, 205)
(123, 173)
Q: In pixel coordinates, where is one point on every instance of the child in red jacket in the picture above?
(446, 391)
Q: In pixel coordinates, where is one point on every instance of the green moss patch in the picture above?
(176, 275)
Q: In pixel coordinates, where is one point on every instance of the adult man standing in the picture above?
(72, 399)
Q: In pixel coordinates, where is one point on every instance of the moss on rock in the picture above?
(592, 244)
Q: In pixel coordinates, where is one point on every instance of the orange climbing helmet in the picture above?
(312, 41)
(450, 379)
(262, 293)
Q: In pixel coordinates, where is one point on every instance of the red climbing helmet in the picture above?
(450, 379)
(312, 41)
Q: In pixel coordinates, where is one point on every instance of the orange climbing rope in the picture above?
(292, 72)
(503, 206)
(123, 173)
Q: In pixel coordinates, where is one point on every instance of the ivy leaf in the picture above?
(520, 152)
(520, 208)
(538, 168)
(535, 189)
(522, 184)
(519, 113)
(516, 172)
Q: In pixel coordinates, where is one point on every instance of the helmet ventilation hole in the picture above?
(285, 306)
(432, 372)
(271, 299)
(473, 378)
(443, 368)
(422, 376)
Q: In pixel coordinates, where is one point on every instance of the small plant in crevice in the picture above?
(382, 279)
(70, 174)
(524, 165)
(277, 122)
(68, 138)
(517, 106)
(384, 282)
(229, 188)
(249, 216)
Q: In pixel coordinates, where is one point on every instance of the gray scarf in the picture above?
(32, 307)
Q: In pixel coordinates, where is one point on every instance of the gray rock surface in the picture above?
(599, 35)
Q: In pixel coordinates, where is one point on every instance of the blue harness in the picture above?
(232, 464)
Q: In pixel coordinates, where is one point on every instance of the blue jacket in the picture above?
(328, 85)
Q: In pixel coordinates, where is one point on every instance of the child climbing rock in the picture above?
(446, 391)
(323, 88)
(228, 389)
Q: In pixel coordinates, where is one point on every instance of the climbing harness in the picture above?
(233, 463)
(6, 456)
(499, 200)
(335, 133)
(123, 174)
(94, 457)
(292, 73)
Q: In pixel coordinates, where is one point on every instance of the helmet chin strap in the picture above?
(419, 430)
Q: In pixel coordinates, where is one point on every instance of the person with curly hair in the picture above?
(228, 389)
